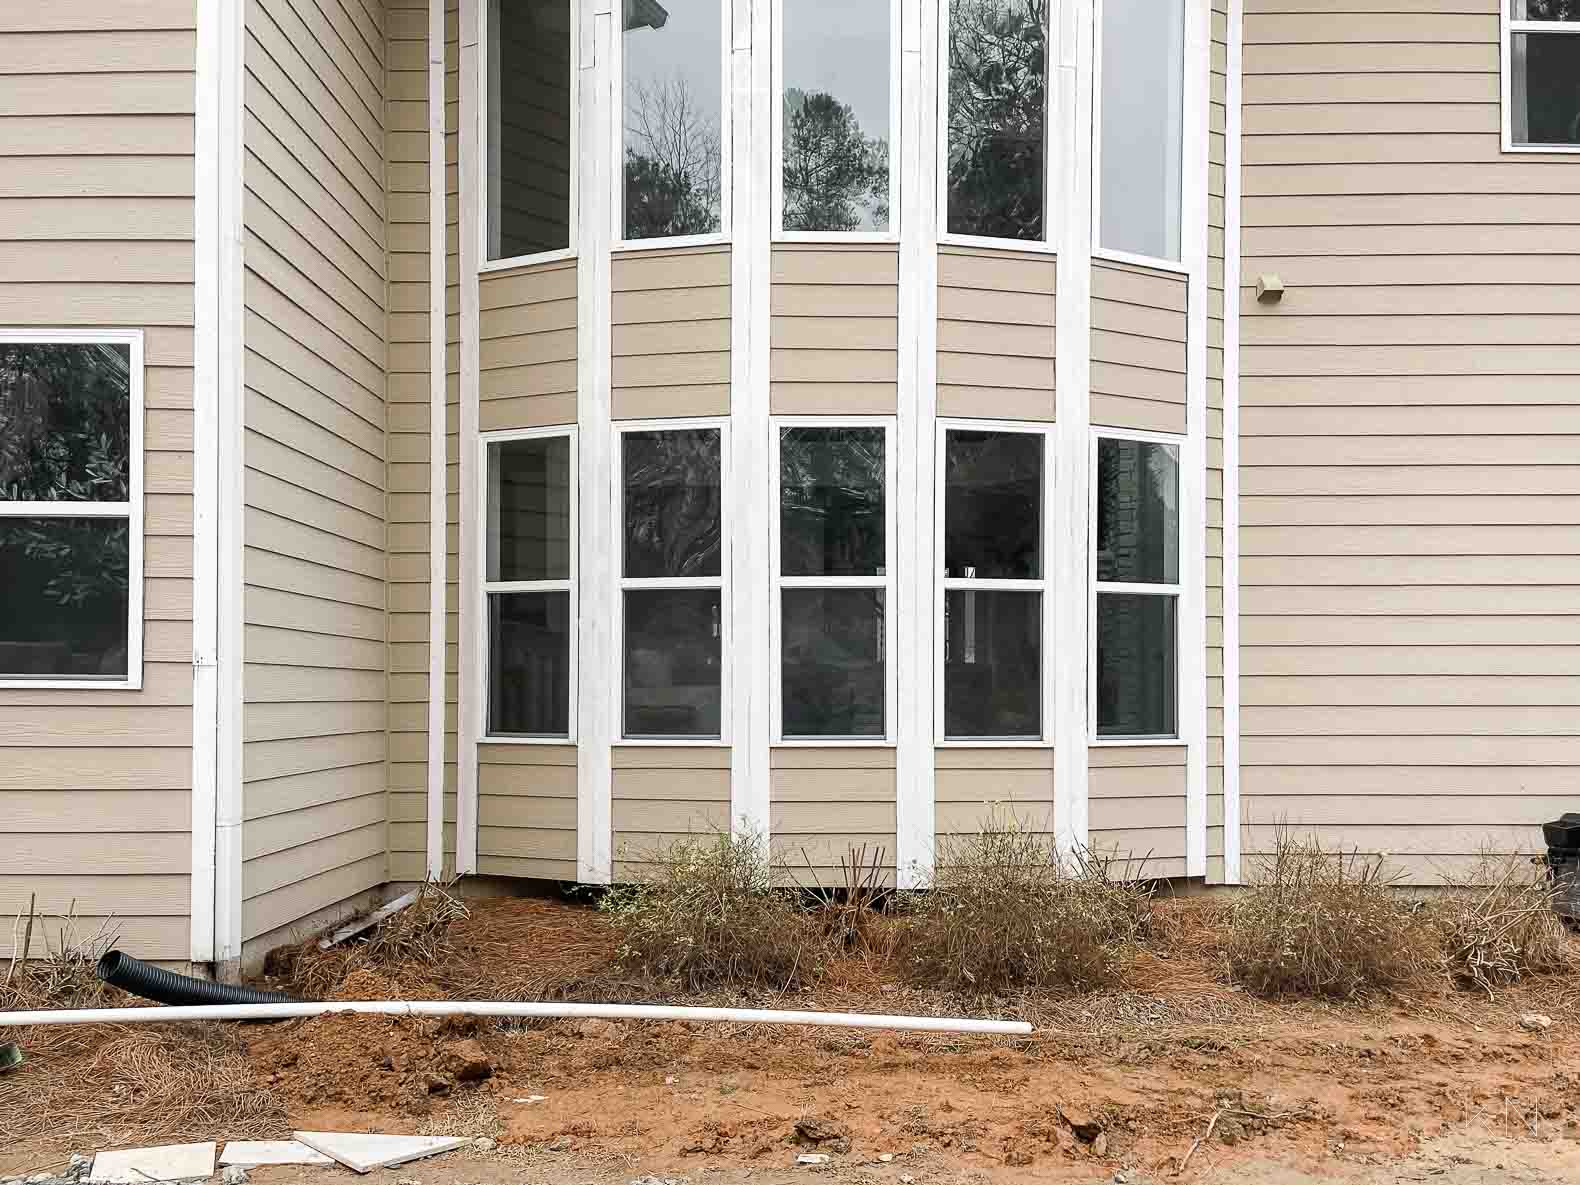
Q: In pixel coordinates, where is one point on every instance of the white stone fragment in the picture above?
(364, 1152)
(251, 1153)
(139, 1166)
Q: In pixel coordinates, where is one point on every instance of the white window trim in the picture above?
(618, 242)
(1189, 64)
(896, 131)
(721, 581)
(1509, 27)
(1175, 590)
(486, 586)
(486, 111)
(1053, 149)
(887, 582)
(1044, 585)
(131, 510)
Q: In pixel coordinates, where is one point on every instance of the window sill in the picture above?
(836, 238)
(1542, 149)
(1108, 255)
(561, 742)
(669, 743)
(70, 684)
(524, 261)
(1138, 743)
(990, 743)
(833, 743)
(678, 243)
(982, 242)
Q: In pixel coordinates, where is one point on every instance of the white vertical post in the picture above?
(469, 706)
(915, 772)
(437, 472)
(1072, 452)
(1231, 449)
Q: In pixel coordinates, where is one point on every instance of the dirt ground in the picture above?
(1437, 1086)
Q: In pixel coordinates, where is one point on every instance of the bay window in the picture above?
(1140, 92)
(529, 587)
(674, 120)
(1541, 63)
(1136, 574)
(992, 534)
(995, 84)
(71, 408)
(838, 91)
(672, 546)
(833, 580)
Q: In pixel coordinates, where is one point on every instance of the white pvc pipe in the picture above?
(503, 1008)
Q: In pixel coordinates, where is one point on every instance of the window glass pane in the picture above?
(529, 664)
(529, 509)
(837, 63)
(529, 127)
(1143, 125)
(1137, 512)
(1545, 10)
(1136, 683)
(833, 654)
(66, 584)
(992, 664)
(672, 685)
(993, 505)
(1546, 87)
(673, 116)
(65, 422)
(672, 510)
(831, 511)
(998, 99)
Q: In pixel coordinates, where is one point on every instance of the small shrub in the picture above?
(1320, 923)
(853, 911)
(67, 974)
(1497, 926)
(420, 932)
(1003, 912)
(713, 916)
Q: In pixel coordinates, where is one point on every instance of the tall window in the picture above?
(1141, 98)
(994, 581)
(529, 585)
(529, 112)
(673, 119)
(1542, 57)
(997, 151)
(836, 83)
(70, 509)
(672, 582)
(1137, 594)
(833, 580)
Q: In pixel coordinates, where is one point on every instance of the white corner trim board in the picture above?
(1231, 446)
(438, 484)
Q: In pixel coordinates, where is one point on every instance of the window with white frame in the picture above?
(838, 89)
(529, 587)
(1141, 127)
(530, 112)
(1137, 589)
(833, 579)
(1541, 55)
(672, 582)
(71, 408)
(996, 95)
(674, 121)
(992, 538)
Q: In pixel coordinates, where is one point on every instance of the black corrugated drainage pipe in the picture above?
(155, 983)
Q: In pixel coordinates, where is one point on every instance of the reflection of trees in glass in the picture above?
(1551, 10)
(65, 436)
(672, 506)
(835, 176)
(672, 153)
(831, 502)
(997, 117)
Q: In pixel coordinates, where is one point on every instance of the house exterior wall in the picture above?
(996, 326)
(834, 330)
(315, 714)
(1139, 328)
(96, 230)
(1408, 442)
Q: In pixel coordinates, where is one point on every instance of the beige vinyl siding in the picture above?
(660, 795)
(96, 145)
(670, 314)
(407, 472)
(1138, 347)
(527, 347)
(1409, 443)
(526, 811)
(834, 331)
(973, 786)
(996, 333)
(1136, 806)
(315, 687)
(1218, 86)
(826, 802)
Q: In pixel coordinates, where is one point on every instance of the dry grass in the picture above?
(1004, 913)
(1499, 935)
(853, 911)
(66, 977)
(713, 916)
(1323, 924)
